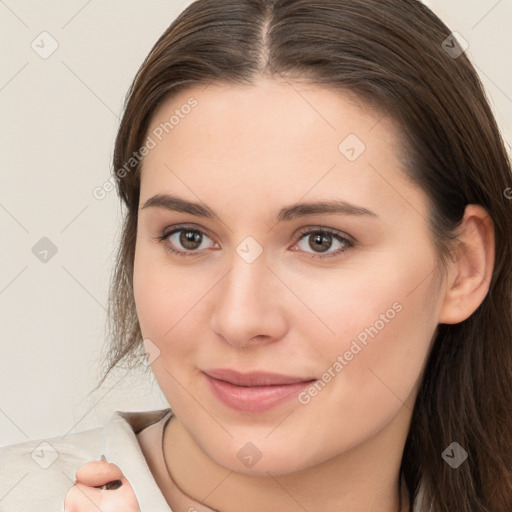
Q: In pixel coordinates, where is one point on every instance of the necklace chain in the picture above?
(172, 479)
(169, 473)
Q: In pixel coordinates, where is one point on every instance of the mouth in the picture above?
(256, 391)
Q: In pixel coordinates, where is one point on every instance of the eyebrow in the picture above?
(177, 204)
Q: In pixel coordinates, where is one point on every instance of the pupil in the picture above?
(319, 239)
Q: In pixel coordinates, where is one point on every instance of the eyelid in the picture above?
(168, 231)
(323, 229)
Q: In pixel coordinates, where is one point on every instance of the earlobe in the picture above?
(470, 273)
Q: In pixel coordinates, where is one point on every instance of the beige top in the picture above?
(35, 476)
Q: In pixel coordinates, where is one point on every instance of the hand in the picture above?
(86, 495)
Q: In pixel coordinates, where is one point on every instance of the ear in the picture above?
(470, 273)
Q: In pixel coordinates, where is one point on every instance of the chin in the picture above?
(264, 458)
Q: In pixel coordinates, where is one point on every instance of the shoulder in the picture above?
(37, 474)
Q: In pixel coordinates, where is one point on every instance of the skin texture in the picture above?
(246, 152)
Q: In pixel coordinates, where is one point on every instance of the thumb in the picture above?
(99, 473)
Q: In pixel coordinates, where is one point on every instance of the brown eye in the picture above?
(186, 241)
(190, 239)
(320, 241)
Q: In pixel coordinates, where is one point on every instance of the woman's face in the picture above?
(305, 254)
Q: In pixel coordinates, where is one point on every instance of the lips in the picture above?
(255, 391)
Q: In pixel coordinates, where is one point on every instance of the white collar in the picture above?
(122, 448)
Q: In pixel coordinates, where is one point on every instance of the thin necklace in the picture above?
(169, 473)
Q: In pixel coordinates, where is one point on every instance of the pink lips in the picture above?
(255, 391)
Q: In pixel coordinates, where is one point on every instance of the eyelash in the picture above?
(348, 241)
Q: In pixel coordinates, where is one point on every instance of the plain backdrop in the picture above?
(58, 118)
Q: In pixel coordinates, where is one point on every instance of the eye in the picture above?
(188, 241)
(322, 241)
(192, 240)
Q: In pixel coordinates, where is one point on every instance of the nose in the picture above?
(249, 304)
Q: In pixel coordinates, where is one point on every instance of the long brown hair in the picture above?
(398, 56)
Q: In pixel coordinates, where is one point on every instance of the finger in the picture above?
(82, 498)
(123, 500)
(98, 473)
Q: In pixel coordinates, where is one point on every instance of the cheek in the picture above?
(168, 298)
(377, 374)
(157, 291)
(148, 294)
(384, 321)
(164, 301)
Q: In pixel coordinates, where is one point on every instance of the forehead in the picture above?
(278, 113)
(273, 140)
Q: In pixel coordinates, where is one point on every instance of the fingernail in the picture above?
(115, 484)
(110, 486)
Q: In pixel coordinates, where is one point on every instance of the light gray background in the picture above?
(58, 122)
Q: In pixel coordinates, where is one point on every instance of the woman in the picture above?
(317, 254)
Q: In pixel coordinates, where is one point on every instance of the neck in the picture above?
(361, 479)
